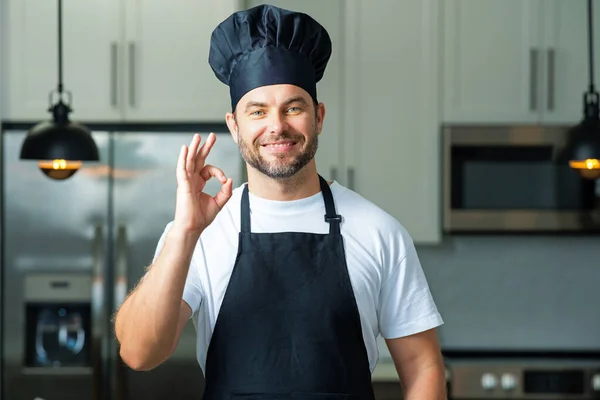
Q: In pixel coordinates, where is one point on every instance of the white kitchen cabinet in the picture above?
(30, 51)
(391, 129)
(515, 61)
(135, 61)
(491, 61)
(166, 73)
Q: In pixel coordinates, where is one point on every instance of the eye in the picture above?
(294, 109)
(257, 113)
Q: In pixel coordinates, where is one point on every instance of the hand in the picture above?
(194, 209)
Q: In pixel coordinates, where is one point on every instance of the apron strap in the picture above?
(245, 217)
(331, 217)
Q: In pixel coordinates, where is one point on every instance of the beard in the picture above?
(282, 167)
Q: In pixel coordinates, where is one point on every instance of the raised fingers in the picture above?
(191, 155)
(204, 151)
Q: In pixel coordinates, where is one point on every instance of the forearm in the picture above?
(146, 323)
(428, 383)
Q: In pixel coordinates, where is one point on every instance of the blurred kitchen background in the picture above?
(449, 114)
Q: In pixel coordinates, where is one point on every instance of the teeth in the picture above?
(280, 145)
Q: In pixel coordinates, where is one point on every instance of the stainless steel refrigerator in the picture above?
(73, 249)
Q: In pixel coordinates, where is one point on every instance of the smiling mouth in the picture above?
(278, 145)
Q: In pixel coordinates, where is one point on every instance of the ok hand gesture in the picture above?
(194, 209)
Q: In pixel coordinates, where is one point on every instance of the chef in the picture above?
(289, 278)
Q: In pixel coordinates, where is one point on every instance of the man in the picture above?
(289, 278)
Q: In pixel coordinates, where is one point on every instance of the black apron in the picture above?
(289, 326)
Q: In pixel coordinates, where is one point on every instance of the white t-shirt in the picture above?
(391, 291)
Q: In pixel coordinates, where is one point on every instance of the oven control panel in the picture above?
(543, 380)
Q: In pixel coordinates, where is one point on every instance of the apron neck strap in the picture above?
(245, 228)
(331, 217)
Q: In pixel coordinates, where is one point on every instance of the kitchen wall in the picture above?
(534, 292)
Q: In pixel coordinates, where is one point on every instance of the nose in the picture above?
(277, 123)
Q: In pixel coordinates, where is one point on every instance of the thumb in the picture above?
(224, 194)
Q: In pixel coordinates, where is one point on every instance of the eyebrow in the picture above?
(252, 104)
(298, 99)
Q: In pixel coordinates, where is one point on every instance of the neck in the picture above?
(304, 184)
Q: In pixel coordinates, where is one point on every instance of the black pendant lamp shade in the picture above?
(59, 145)
(582, 150)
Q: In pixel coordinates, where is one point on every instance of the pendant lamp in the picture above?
(582, 150)
(60, 146)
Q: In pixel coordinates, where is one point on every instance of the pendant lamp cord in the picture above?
(60, 82)
(590, 44)
(60, 109)
(591, 99)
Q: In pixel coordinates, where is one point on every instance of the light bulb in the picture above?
(59, 169)
(588, 169)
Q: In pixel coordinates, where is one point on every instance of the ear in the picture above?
(320, 117)
(232, 125)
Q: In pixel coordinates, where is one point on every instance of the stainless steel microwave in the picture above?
(507, 179)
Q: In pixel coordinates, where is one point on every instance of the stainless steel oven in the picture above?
(506, 178)
(535, 379)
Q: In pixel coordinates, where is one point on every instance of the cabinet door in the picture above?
(566, 59)
(391, 96)
(330, 14)
(492, 60)
(167, 76)
(90, 34)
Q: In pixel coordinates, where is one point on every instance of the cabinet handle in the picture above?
(551, 78)
(533, 68)
(132, 74)
(113, 73)
(351, 178)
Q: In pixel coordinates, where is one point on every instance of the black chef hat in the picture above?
(267, 45)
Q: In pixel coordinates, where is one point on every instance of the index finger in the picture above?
(205, 149)
(203, 152)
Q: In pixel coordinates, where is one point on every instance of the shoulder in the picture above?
(346, 198)
(363, 217)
